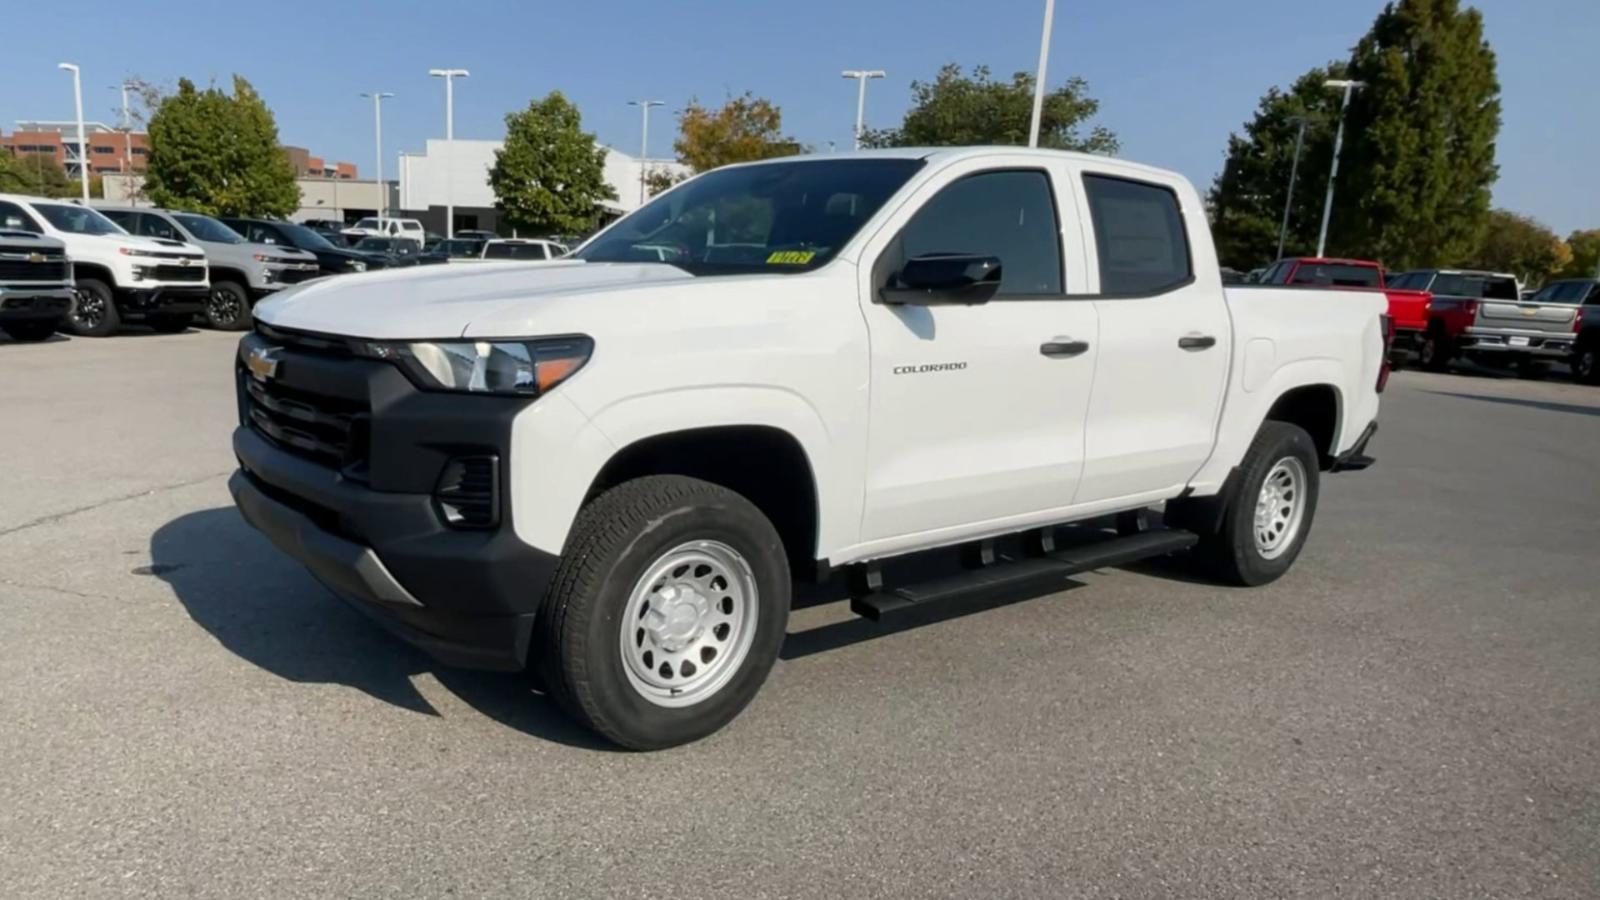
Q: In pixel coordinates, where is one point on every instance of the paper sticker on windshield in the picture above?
(790, 258)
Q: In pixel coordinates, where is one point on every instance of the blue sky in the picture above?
(1173, 76)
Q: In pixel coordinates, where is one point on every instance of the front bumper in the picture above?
(165, 300)
(1513, 342)
(375, 534)
(44, 304)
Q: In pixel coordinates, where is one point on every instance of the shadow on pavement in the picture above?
(1574, 408)
(263, 607)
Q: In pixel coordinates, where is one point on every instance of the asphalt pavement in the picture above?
(1411, 712)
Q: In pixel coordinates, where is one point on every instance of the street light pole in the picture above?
(1338, 143)
(377, 130)
(862, 76)
(644, 139)
(1038, 79)
(1294, 170)
(83, 151)
(449, 76)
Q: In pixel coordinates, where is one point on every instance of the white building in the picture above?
(338, 199)
(458, 172)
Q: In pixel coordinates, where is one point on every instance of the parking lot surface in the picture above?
(1410, 712)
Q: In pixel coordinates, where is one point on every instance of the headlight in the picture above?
(130, 251)
(521, 368)
(267, 258)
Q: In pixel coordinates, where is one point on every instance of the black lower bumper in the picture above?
(1355, 459)
(42, 305)
(163, 300)
(468, 598)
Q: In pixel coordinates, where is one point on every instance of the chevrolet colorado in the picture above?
(119, 277)
(610, 468)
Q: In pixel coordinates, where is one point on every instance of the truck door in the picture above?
(977, 411)
(1165, 334)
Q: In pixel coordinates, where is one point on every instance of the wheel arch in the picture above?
(95, 271)
(1317, 408)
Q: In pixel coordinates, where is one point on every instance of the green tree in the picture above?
(1585, 247)
(1519, 245)
(219, 154)
(747, 128)
(658, 179)
(549, 178)
(960, 110)
(1419, 162)
(1247, 198)
(35, 173)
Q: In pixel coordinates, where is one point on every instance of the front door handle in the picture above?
(1064, 348)
(1197, 342)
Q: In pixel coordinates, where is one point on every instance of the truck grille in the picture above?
(295, 276)
(178, 273)
(331, 431)
(50, 269)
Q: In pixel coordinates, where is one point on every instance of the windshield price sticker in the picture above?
(790, 258)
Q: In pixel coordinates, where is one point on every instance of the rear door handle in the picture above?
(1197, 342)
(1064, 348)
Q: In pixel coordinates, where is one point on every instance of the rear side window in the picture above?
(1010, 215)
(1139, 235)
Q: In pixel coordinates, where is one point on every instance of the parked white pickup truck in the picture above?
(610, 468)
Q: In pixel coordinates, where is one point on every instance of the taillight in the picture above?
(1471, 307)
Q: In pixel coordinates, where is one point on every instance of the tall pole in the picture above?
(862, 76)
(1038, 80)
(449, 76)
(83, 151)
(1333, 174)
(644, 140)
(1294, 170)
(377, 131)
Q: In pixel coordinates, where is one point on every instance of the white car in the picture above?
(611, 468)
(516, 250)
(120, 277)
(372, 226)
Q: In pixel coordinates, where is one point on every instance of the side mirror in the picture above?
(938, 279)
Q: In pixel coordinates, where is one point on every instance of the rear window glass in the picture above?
(1139, 236)
(1478, 287)
(514, 251)
(1336, 275)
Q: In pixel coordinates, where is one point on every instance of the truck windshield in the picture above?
(208, 229)
(76, 219)
(773, 217)
(1476, 287)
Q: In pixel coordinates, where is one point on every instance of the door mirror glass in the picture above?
(945, 278)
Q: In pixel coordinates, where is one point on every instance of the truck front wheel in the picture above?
(95, 312)
(666, 613)
(1268, 513)
(228, 306)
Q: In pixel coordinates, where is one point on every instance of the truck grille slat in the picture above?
(331, 431)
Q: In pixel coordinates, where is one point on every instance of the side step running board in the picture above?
(1014, 574)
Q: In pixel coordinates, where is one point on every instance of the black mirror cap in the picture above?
(945, 278)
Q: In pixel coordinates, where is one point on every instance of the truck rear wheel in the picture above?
(666, 613)
(95, 312)
(1435, 352)
(1268, 514)
(1586, 363)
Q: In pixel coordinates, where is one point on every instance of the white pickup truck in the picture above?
(611, 468)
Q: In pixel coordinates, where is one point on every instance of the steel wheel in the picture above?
(89, 310)
(1280, 507)
(689, 623)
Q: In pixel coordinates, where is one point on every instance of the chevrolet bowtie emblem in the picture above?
(262, 362)
(184, 261)
(35, 257)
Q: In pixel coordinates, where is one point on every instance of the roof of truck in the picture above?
(948, 154)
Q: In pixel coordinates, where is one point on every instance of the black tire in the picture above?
(228, 306)
(1435, 352)
(30, 331)
(615, 541)
(170, 323)
(94, 312)
(1586, 363)
(1231, 552)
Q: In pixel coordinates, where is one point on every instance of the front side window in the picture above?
(779, 217)
(207, 229)
(76, 219)
(16, 218)
(1139, 236)
(1010, 215)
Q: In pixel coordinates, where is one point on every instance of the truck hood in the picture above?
(444, 301)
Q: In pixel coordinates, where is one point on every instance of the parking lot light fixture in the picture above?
(862, 76)
(644, 141)
(1349, 87)
(83, 150)
(377, 128)
(449, 76)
